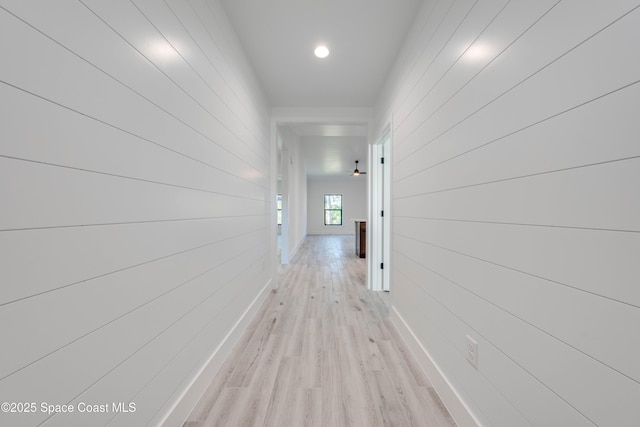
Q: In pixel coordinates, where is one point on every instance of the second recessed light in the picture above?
(321, 52)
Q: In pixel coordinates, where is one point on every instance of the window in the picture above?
(279, 207)
(333, 209)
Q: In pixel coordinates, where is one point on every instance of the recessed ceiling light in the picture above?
(321, 52)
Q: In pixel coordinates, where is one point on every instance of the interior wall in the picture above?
(354, 203)
(296, 189)
(136, 214)
(516, 216)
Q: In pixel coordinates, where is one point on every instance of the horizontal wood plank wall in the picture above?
(135, 213)
(516, 210)
(295, 189)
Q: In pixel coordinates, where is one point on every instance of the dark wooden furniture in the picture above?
(361, 238)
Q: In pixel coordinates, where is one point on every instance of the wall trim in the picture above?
(454, 403)
(185, 402)
(294, 251)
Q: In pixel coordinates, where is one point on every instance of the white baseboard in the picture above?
(451, 399)
(177, 414)
(293, 252)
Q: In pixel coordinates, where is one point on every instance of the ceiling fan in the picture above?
(356, 172)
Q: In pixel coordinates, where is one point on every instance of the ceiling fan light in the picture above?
(356, 172)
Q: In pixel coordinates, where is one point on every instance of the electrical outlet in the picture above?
(472, 352)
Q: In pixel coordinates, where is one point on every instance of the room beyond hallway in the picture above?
(321, 352)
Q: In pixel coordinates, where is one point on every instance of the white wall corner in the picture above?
(298, 245)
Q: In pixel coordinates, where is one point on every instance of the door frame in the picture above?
(282, 116)
(379, 226)
(284, 191)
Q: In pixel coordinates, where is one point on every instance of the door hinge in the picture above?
(381, 213)
(382, 160)
(381, 266)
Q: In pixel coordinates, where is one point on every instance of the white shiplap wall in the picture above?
(294, 190)
(135, 208)
(516, 210)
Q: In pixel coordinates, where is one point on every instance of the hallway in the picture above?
(321, 352)
(140, 166)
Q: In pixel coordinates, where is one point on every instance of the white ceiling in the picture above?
(332, 149)
(364, 37)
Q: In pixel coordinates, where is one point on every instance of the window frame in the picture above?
(324, 204)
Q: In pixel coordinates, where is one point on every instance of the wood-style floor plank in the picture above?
(321, 352)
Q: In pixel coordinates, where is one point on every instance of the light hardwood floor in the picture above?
(321, 352)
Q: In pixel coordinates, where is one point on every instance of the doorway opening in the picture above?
(313, 153)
